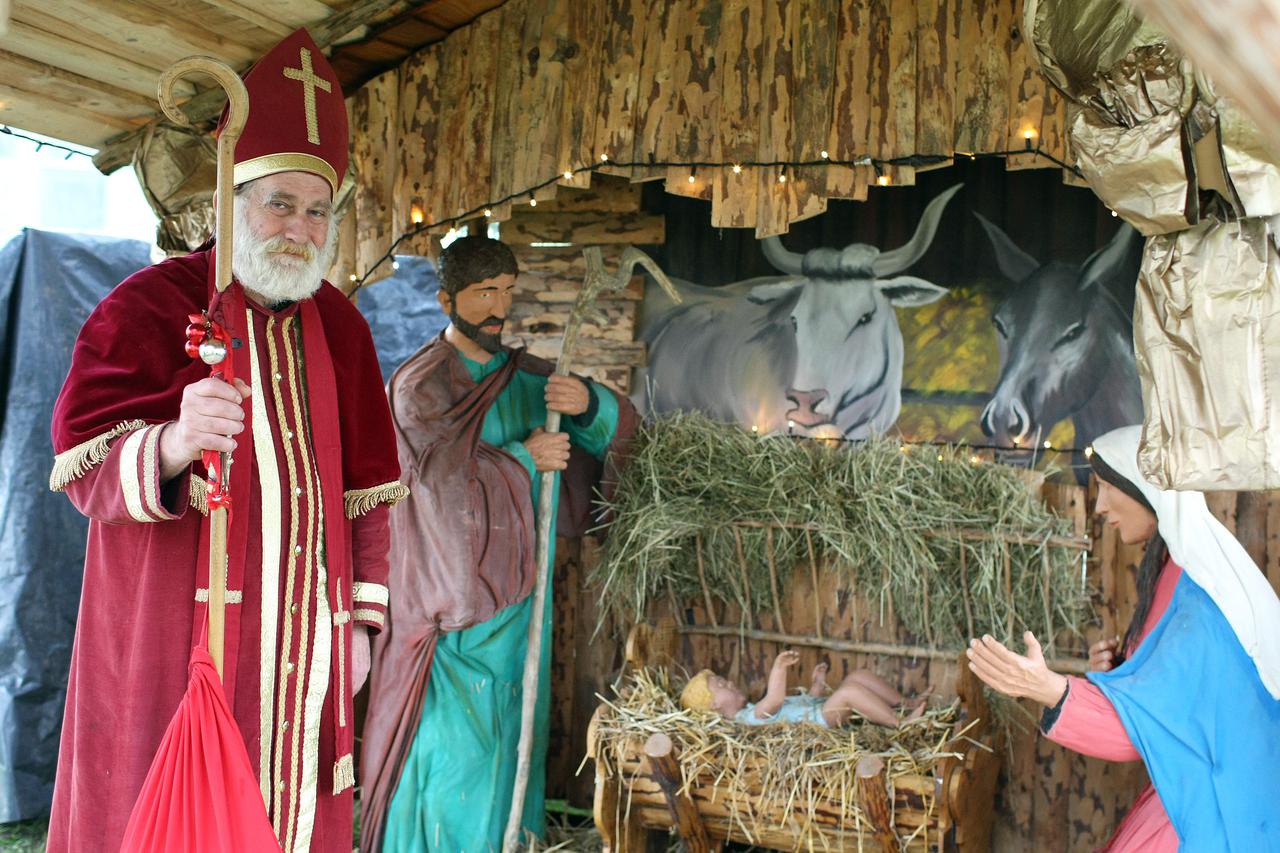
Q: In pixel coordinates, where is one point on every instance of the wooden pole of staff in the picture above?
(238, 107)
(596, 281)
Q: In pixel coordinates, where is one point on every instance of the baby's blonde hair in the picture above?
(697, 695)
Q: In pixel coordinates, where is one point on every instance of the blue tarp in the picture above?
(403, 312)
(48, 285)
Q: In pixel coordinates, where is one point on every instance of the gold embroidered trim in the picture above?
(370, 593)
(74, 463)
(151, 473)
(199, 494)
(234, 596)
(344, 774)
(363, 614)
(360, 501)
(130, 488)
(270, 164)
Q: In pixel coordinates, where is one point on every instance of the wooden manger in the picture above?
(939, 802)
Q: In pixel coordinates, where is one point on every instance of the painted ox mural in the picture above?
(1065, 336)
(817, 350)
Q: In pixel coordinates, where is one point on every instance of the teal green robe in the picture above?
(454, 793)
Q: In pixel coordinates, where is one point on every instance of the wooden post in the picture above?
(813, 571)
(661, 765)
(773, 578)
(874, 798)
(702, 576)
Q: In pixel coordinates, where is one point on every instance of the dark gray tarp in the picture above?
(403, 312)
(48, 285)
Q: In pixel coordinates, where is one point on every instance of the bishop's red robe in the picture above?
(313, 474)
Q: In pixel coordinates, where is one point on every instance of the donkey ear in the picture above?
(763, 294)
(1014, 263)
(1115, 264)
(907, 291)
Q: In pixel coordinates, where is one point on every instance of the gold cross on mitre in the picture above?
(310, 82)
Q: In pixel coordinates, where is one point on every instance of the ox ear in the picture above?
(763, 294)
(1014, 263)
(907, 291)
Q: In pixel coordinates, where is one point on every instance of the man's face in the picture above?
(284, 236)
(295, 206)
(479, 310)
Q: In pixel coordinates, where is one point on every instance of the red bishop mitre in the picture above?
(297, 115)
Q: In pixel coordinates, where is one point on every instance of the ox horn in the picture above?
(784, 261)
(897, 260)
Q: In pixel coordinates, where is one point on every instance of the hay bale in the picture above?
(886, 517)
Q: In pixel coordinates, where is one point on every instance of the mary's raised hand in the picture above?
(1013, 674)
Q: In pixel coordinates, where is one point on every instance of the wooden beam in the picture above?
(1074, 666)
(363, 13)
(112, 35)
(664, 768)
(86, 60)
(68, 88)
(128, 21)
(23, 109)
(263, 22)
(873, 797)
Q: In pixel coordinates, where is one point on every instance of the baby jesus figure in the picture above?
(861, 691)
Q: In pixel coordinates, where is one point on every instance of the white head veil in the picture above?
(1209, 555)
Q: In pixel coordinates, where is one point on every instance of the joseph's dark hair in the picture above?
(1153, 558)
(470, 259)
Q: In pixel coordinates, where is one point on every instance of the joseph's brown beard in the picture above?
(487, 341)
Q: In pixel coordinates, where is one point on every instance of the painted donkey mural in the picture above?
(1065, 335)
(817, 350)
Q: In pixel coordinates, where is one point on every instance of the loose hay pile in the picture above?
(887, 517)
(806, 769)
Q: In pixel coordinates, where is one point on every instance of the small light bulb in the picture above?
(737, 170)
(488, 212)
(1088, 452)
(353, 276)
(395, 265)
(975, 460)
(883, 180)
(1048, 445)
(791, 424)
(416, 214)
(1029, 133)
(755, 428)
(533, 202)
(825, 155)
(691, 179)
(1113, 213)
(782, 179)
(902, 448)
(568, 176)
(604, 158)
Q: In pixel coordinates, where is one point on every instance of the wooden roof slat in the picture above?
(451, 14)
(72, 89)
(141, 30)
(105, 32)
(14, 98)
(94, 62)
(279, 17)
(411, 33)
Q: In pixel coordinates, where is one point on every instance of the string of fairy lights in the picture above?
(42, 144)
(785, 169)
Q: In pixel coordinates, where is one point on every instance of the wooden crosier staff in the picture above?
(596, 281)
(207, 340)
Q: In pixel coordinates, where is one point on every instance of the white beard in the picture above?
(277, 269)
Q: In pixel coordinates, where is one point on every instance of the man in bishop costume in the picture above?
(314, 472)
(439, 746)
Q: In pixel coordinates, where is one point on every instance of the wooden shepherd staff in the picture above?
(596, 281)
(209, 341)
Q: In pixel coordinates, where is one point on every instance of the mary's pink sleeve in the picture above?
(1088, 724)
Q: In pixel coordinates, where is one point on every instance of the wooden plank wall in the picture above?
(1048, 798)
(538, 87)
